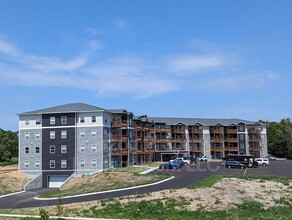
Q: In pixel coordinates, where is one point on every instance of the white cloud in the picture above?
(188, 64)
(236, 82)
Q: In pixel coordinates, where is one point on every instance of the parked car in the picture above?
(186, 160)
(262, 161)
(234, 164)
(271, 157)
(203, 159)
(170, 165)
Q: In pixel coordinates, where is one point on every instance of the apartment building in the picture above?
(77, 139)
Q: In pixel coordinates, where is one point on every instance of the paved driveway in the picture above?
(182, 177)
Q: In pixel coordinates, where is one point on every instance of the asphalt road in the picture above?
(182, 177)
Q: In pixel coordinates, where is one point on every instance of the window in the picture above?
(37, 150)
(63, 149)
(63, 163)
(240, 128)
(93, 163)
(105, 120)
(64, 120)
(81, 119)
(63, 134)
(26, 150)
(52, 149)
(241, 145)
(52, 163)
(82, 163)
(38, 121)
(26, 136)
(26, 164)
(52, 120)
(241, 137)
(82, 148)
(93, 119)
(52, 135)
(93, 148)
(26, 121)
(82, 133)
(37, 135)
(37, 164)
(93, 133)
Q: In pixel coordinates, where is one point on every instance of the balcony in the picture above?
(255, 140)
(196, 131)
(162, 130)
(231, 131)
(119, 138)
(217, 149)
(163, 140)
(217, 139)
(231, 148)
(254, 131)
(252, 149)
(117, 152)
(178, 140)
(217, 131)
(196, 140)
(231, 140)
(196, 149)
(122, 124)
(178, 130)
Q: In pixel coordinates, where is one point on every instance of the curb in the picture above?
(11, 194)
(107, 191)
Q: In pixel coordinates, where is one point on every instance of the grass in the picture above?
(132, 169)
(176, 209)
(111, 181)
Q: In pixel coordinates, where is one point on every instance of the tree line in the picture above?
(280, 137)
(8, 147)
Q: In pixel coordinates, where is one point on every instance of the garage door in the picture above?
(57, 181)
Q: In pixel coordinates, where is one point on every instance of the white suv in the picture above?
(262, 161)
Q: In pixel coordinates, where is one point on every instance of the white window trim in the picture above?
(37, 162)
(52, 135)
(82, 163)
(62, 148)
(26, 163)
(63, 134)
(51, 163)
(64, 120)
(63, 163)
(52, 120)
(52, 147)
(82, 148)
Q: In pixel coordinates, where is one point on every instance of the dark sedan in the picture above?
(234, 164)
(170, 165)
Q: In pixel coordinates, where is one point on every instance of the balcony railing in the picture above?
(231, 131)
(196, 149)
(217, 139)
(178, 140)
(178, 130)
(119, 138)
(217, 131)
(162, 130)
(231, 148)
(163, 140)
(255, 140)
(217, 149)
(255, 149)
(119, 124)
(254, 131)
(119, 152)
(230, 139)
(196, 140)
(196, 131)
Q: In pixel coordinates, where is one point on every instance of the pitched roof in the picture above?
(67, 108)
(198, 121)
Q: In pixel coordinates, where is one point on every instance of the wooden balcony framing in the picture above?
(163, 140)
(231, 140)
(119, 138)
(255, 149)
(162, 130)
(116, 152)
(217, 139)
(231, 131)
(196, 149)
(217, 149)
(178, 140)
(196, 140)
(120, 124)
(254, 131)
(255, 140)
(231, 148)
(217, 131)
(178, 131)
(196, 131)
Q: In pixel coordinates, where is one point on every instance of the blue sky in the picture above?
(210, 59)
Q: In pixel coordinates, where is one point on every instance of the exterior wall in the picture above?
(32, 121)
(88, 141)
(36, 183)
(32, 143)
(264, 136)
(242, 139)
(207, 142)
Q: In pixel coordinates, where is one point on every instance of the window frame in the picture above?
(64, 120)
(82, 163)
(52, 120)
(37, 162)
(37, 150)
(62, 164)
(52, 162)
(52, 149)
(63, 134)
(93, 118)
(26, 164)
(26, 150)
(63, 146)
(52, 135)
(82, 119)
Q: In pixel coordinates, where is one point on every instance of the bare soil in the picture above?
(11, 180)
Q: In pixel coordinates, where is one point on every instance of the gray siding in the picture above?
(32, 144)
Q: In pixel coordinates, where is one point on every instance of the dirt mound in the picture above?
(12, 181)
